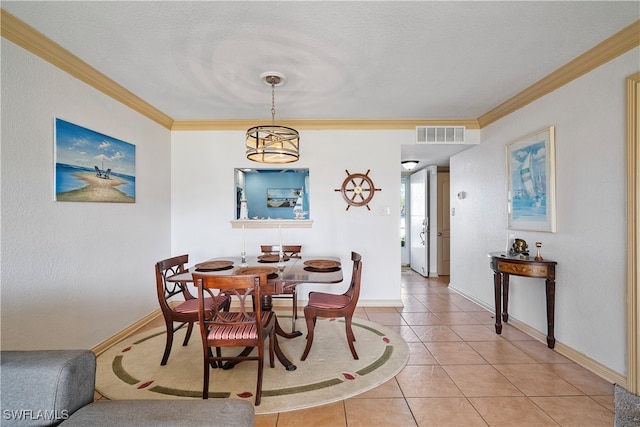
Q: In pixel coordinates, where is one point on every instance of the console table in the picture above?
(504, 265)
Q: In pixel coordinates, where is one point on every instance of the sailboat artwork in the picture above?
(530, 175)
(530, 196)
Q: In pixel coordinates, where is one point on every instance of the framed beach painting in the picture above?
(92, 167)
(531, 186)
(282, 197)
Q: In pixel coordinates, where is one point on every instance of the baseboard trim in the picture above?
(570, 353)
(126, 332)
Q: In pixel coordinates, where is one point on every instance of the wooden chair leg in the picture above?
(260, 370)
(215, 364)
(188, 335)
(169, 342)
(311, 321)
(205, 385)
(350, 337)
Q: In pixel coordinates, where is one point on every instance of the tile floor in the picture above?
(460, 373)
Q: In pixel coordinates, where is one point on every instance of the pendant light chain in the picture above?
(273, 103)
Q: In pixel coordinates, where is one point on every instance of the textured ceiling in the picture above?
(344, 60)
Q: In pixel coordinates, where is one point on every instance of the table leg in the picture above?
(505, 297)
(266, 302)
(285, 334)
(551, 303)
(276, 349)
(267, 305)
(497, 289)
(280, 355)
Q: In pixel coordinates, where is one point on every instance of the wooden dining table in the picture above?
(281, 274)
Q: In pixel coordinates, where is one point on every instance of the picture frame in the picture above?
(282, 197)
(531, 182)
(92, 167)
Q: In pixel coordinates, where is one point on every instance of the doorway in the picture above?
(405, 256)
(444, 221)
(419, 222)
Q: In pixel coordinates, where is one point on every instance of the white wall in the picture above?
(73, 274)
(590, 243)
(203, 202)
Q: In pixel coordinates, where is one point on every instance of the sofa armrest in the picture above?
(45, 387)
(165, 413)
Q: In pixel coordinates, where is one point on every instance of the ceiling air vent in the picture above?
(440, 134)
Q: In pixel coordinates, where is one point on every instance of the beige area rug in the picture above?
(131, 369)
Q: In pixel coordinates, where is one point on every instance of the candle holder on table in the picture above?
(538, 256)
(243, 261)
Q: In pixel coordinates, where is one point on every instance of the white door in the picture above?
(419, 222)
(405, 253)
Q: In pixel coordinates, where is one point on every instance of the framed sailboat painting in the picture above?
(531, 182)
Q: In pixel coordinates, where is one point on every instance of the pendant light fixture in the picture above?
(273, 143)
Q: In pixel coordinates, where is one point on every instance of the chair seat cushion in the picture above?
(322, 300)
(191, 305)
(244, 331)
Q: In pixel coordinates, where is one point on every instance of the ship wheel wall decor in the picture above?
(358, 189)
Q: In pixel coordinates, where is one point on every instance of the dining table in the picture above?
(281, 273)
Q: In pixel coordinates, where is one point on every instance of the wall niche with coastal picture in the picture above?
(272, 193)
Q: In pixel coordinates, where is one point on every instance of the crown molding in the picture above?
(327, 124)
(16, 31)
(621, 42)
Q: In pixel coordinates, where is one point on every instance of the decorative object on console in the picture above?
(358, 189)
(538, 256)
(273, 143)
(519, 247)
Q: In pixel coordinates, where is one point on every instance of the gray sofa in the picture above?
(51, 387)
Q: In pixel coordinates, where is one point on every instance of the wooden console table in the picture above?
(503, 265)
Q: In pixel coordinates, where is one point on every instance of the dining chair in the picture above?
(185, 312)
(246, 325)
(290, 289)
(323, 304)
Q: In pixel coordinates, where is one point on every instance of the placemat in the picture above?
(214, 265)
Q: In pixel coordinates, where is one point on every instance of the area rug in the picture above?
(131, 369)
(627, 407)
